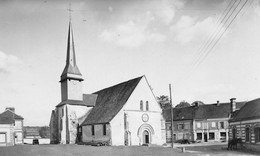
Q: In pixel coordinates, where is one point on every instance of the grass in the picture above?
(80, 150)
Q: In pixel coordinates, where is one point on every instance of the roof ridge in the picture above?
(119, 84)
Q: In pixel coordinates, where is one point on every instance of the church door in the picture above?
(146, 137)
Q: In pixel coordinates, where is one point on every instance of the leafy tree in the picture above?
(182, 104)
(197, 102)
(164, 101)
(44, 132)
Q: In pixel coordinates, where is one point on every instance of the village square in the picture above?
(126, 78)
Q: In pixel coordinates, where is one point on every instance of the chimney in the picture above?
(10, 108)
(218, 103)
(233, 104)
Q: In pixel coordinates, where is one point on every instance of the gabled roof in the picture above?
(251, 110)
(110, 101)
(8, 117)
(207, 111)
(185, 113)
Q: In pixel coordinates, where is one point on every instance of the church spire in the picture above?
(71, 69)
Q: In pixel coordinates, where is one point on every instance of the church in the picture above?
(124, 114)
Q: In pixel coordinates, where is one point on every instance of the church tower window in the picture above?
(147, 106)
(141, 105)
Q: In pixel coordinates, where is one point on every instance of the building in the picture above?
(182, 124)
(124, 114)
(201, 123)
(245, 124)
(11, 128)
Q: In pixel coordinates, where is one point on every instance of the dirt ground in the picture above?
(80, 150)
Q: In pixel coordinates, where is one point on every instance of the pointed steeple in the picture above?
(71, 69)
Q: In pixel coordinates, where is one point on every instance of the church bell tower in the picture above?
(71, 78)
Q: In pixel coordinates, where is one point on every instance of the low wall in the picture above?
(41, 140)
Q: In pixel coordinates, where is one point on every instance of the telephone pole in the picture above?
(170, 88)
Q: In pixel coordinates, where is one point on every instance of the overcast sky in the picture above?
(117, 40)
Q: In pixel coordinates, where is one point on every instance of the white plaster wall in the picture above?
(74, 113)
(61, 130)
(117, 129)
(71, 89)
(8, 129)
(74, 90)
(134, 117)
(41, 140)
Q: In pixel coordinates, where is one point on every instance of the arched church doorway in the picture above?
(145, 134)
(146, 137)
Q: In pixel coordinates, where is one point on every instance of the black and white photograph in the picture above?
(129, 77)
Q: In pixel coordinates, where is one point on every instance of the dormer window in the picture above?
(141, 105)
(147, 106)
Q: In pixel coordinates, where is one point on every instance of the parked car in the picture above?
(35, 142)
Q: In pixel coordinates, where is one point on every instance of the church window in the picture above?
(147, 106)
(141, 105)
(62, 112)
(93, 129)
(104, 129)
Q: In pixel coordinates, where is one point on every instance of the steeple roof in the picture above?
(71, 67)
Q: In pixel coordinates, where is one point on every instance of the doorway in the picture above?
(205, 137)
(146, 137)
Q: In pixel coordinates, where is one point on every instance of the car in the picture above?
(35, 142)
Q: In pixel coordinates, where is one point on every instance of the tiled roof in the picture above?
(7, 117)
(251, 110)
(185, 113)
(207, 111)
(110, 101)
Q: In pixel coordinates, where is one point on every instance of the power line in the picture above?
(207, 53)
(219, 24)
(217, 29)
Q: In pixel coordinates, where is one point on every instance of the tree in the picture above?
(197, 103)
(44, 132)
(164, 101)
(182, 104)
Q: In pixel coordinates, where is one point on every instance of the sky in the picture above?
(118, 40)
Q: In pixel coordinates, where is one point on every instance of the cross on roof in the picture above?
(69, 10)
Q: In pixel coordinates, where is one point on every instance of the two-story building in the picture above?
(182, 123)
(201, 123)
(11, 128)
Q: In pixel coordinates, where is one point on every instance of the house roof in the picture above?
(207, 111)
(7, 117)
(110, 101)
(185, 113)
(251, 110)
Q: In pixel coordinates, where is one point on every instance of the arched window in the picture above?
(147, 106)
(141, 105)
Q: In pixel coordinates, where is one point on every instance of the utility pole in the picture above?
(171, 113)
